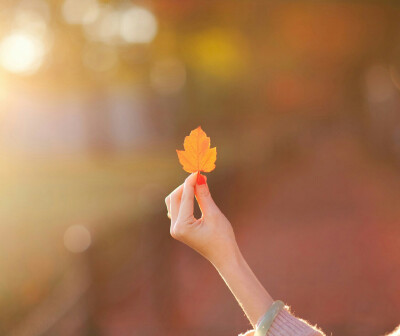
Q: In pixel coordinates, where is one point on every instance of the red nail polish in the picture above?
(201, 179)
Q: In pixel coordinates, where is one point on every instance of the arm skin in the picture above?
(244, 285)
(212, 236)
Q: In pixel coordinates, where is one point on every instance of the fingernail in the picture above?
(201, 179)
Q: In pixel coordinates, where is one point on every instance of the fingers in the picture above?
(180, 203)
(174, 204)
(187, 202)
(203, 197)
(195, 185)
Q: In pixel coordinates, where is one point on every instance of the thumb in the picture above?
(203, 195)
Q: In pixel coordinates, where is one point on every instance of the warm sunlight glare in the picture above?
(21, 52)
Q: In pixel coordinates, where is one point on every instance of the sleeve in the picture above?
(288, 325)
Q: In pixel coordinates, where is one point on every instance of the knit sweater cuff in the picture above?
(288, 325)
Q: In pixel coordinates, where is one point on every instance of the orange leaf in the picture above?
(197, 156)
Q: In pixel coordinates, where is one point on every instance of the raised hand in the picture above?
(212, 234)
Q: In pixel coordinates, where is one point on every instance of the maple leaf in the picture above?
(197, 156)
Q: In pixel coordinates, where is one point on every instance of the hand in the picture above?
(213, 237)
(212, 234)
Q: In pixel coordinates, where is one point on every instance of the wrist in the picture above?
(231, 260)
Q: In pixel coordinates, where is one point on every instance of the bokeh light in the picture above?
(138, 25)
(80, 11)
(121, 25)
(106, 27)
(77, 238)
(31, 21)
(218, 53)
(21, 52)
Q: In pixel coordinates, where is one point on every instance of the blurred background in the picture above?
(301, 99)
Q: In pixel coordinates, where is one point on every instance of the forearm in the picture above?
(255, 300)
(244, 285)
(213, 237)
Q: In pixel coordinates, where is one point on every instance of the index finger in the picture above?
(168, 198)
(187, 202)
